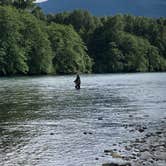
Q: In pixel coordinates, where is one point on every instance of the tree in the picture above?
(5, 2)
(69, 51)
(12, 54)
(37, 46)
(38, 13)
(31, 43)
(19, 4)
(155, 61)
(82, 21)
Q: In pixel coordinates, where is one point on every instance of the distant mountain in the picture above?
(150, 8)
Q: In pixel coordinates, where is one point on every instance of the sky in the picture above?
(149, 8)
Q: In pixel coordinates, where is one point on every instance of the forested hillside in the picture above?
(65, 43)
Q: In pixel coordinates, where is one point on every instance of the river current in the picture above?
(44, 121)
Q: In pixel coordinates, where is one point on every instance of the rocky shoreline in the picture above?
(149, 149)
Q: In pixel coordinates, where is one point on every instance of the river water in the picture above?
(44, 121)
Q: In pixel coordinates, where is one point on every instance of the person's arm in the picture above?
(75, 80)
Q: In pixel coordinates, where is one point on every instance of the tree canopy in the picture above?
(69, 51)
(19, 4)
(32, 42)
(120, 46)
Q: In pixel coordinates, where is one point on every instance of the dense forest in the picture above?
(32, 42)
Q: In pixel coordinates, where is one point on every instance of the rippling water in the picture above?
(43, 119)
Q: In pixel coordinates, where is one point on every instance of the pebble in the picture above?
(145, 155)
(160, 155)
(127, 148)
(158, 132)
(148, 149)
(116, 155)
(117, 164)
(141, 130)
(85, 133)
(108, 151)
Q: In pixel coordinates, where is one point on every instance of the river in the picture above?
(44, 121)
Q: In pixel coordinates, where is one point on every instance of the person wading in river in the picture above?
(77, 82)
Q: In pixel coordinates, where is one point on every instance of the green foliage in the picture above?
(69, 51)
(19, 4)
(6, 2)
(128, 44)
(38, 13)
(152, 29)
(24, 44)
(33, 43)
(37, 46)
(12, 54)
(82, 21)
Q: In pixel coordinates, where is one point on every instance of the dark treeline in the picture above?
(34, 43)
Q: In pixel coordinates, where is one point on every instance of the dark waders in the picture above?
(77, 82)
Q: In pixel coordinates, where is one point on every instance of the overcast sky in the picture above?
(39, 1)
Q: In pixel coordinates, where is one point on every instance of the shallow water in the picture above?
(43, 119)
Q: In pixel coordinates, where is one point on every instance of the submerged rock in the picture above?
(160, 155)
(51, 133)
(116, 164)
(85, 133)
(127, 148)
(145, 155)
(108, 151)
(100, 118)
(158, 132)
(141, 130)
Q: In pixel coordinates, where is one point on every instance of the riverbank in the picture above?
(149, 149)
